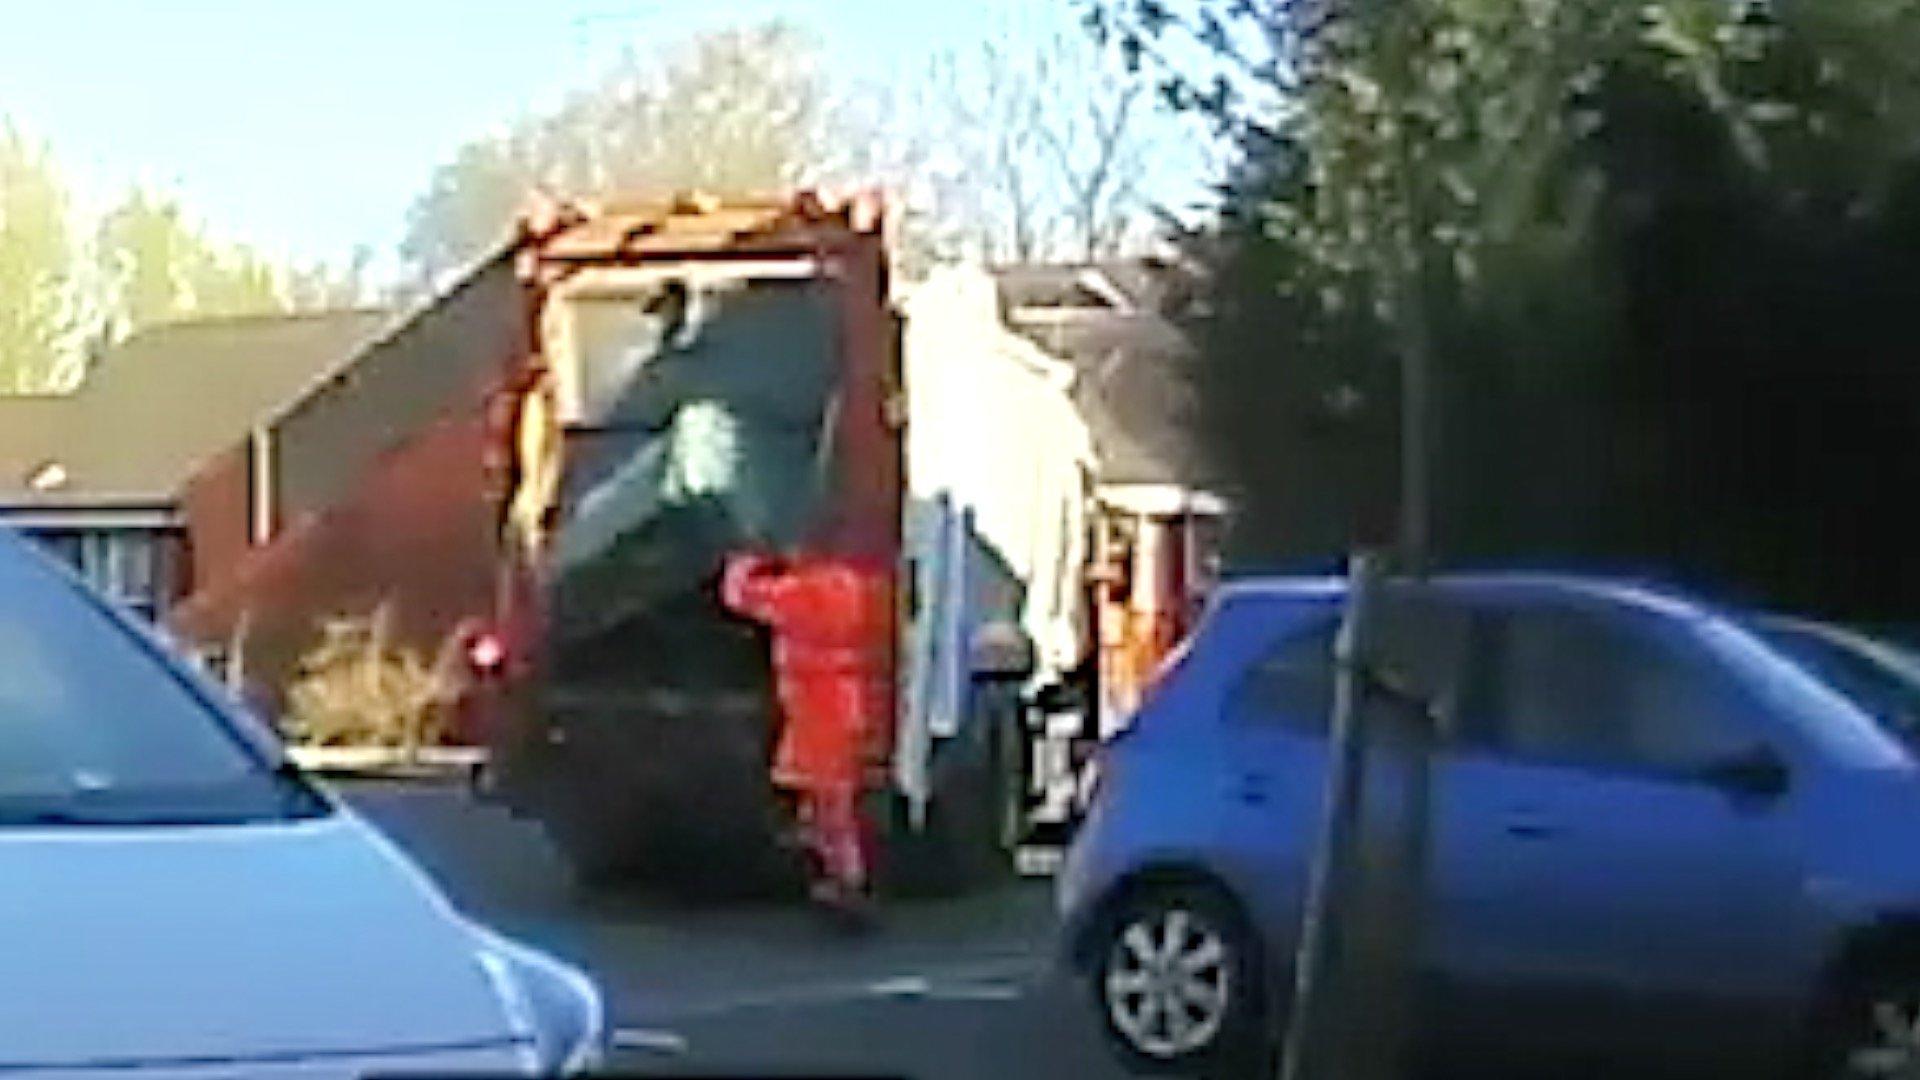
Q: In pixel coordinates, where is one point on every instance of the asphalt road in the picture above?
(942, 990)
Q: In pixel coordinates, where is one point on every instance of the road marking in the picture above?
(1006, 980)
(902, 986)
(920, 987)
(653, 1041)
(984, 992)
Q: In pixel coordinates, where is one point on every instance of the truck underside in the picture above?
(645, 753)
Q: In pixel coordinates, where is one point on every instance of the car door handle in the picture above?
(1253, 788)
(1531, 829)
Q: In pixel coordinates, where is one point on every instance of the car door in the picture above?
(1277, 718)
(1272, 776)
(1604, 897)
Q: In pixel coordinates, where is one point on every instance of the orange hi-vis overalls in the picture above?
(832, 623)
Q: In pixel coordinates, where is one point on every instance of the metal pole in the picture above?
(1361, 930)
(1318, 1040)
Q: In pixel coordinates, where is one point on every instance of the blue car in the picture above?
(1662, 840)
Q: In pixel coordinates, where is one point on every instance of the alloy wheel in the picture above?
(1169, 982)
(1886, 1046)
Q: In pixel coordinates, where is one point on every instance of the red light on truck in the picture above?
(486, 652)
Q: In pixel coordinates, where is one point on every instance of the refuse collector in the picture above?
(832, 623)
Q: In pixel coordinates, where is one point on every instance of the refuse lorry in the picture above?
(721, 380)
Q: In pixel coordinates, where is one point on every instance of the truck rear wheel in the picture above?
(678, 803)
(714, 827)
(977, 816)
(585, 835)
(587, 813)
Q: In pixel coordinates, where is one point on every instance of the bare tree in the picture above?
(1032, 144)
(1101, 176)
(1035, 146)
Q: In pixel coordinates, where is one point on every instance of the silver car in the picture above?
(176, 900)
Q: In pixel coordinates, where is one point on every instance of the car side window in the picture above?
(1418, 659)
(1291, 686)
(1569, 686)
(1421, 656)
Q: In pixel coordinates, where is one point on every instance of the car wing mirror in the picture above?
(1755, 774)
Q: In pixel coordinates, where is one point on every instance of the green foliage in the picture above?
(37, 295)
(147, 262)
(158, 266)
(1660, 257)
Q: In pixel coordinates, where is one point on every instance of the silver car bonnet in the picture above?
(122, 946)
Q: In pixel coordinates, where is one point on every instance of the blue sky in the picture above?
(305, 127)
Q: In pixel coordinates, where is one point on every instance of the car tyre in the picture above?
(1176, 978)
(985, 831)
(974, 825)
(1869, 1029)
(586, 831)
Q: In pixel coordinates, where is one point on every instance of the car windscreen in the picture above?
(1889, 695)
(97, 729)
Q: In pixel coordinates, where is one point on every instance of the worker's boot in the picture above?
(848, 907)
(843, 885)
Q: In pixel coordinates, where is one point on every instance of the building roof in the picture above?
(1133, 362)
(159, 404)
